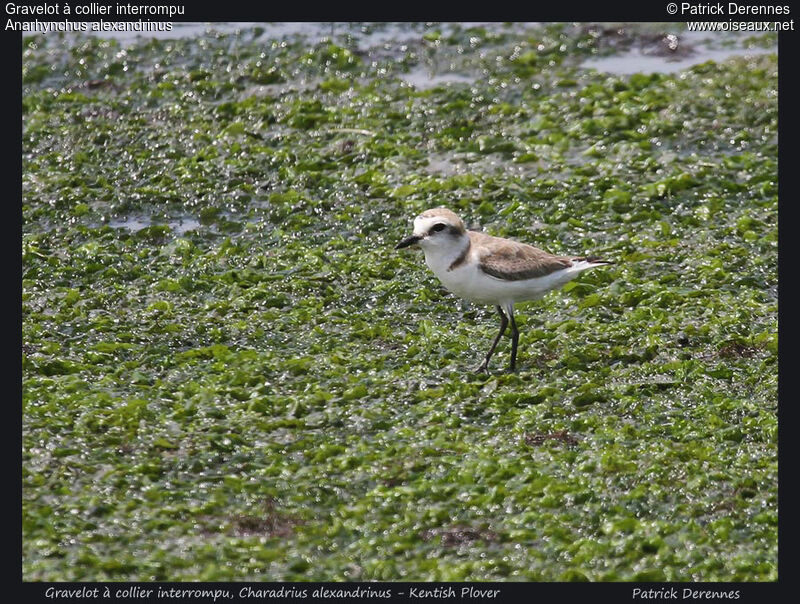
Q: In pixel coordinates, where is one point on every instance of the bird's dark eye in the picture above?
(438, 227)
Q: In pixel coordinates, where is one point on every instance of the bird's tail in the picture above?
(586, 262)
(593, 260)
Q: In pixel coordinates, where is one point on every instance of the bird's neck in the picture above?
(445, 259)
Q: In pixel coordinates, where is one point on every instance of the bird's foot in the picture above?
(512, 366)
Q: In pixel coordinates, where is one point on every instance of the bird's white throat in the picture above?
(442, 253)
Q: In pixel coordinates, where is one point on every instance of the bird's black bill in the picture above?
(408, 241)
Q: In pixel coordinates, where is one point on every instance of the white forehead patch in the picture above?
(422, 224)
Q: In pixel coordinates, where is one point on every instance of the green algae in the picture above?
(229, 373)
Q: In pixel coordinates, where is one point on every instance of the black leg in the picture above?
(514, 340)
(503, 324)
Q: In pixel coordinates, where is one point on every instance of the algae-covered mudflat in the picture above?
(230, 374)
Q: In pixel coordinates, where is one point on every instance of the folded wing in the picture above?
(513, 261)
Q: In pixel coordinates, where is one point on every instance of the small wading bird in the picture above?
(491, 270)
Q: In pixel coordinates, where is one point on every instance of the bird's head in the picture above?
(437, 228)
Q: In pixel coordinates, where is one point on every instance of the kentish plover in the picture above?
(491, 270)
